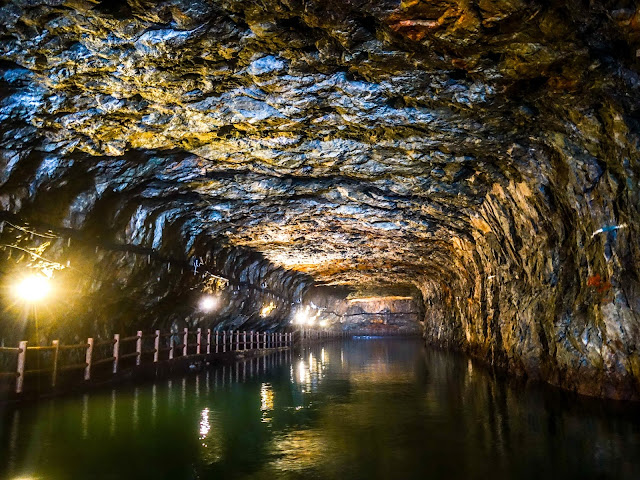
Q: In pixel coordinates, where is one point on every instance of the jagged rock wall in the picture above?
(385, 314)
(548, 287)
(483, 151)
(101, 286)
(386, 311)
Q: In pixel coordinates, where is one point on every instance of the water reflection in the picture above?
(361, 409)
(205, 426)
(266, 402)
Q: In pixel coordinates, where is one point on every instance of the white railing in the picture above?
(167, 347)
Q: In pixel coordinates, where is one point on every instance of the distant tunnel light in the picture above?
(305, 317)
(33, 288)
(302, 317)
(208, 303)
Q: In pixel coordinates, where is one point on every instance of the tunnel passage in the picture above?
(480, 154)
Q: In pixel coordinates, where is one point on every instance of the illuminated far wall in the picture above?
(386, 314)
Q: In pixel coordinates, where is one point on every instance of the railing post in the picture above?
(185, 342)
(198, 340)
(54, 371)
(244, 340)
(216, 341)
(224, 341)
(172, 347)
(22, 356)
(116, 352)
(251, 340)
(237, 340)
(156, 347)
(280, 339)
(208, 341)
(88, 358)
(138, 347)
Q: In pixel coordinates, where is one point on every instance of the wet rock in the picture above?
(484, 153)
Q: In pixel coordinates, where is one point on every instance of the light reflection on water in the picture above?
(383, 409)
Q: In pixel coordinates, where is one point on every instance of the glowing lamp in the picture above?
(267, 309)
(208, 303)
(301, 317)
(32, 288)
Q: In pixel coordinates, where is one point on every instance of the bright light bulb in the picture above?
(267, 309)
(33, 288)
(301, 317)
(208, 303)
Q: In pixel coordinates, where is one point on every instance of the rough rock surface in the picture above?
(396, 315)
(482, 151)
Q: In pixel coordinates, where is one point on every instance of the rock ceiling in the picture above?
(349, 140)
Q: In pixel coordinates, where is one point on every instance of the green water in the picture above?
(360, 409)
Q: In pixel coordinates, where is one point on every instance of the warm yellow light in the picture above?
(304, 316)
(32, 288)
(266, 397)
(301, 317)
(267, 309)
(208, 303)
(323, 323)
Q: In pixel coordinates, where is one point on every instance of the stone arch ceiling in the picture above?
(482, 151)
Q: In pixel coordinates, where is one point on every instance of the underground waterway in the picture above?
(359, 408)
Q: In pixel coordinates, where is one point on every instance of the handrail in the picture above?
(72, 347)
(207, 342)
(127, 339)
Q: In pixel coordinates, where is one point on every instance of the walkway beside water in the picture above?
(33, 370)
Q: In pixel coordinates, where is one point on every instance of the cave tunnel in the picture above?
(433, 205)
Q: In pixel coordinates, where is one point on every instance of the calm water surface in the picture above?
(361, 409)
